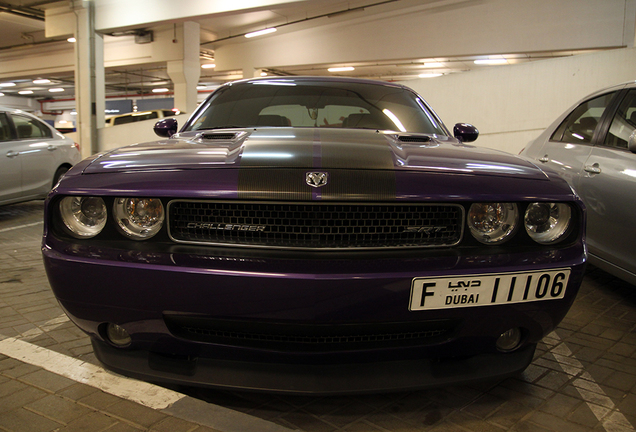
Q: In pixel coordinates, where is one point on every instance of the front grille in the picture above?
(304, 337)
(316, 225)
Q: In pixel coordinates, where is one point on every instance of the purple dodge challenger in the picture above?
(313, 235)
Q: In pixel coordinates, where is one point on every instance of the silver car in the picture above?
(33, 156)
(593, 146)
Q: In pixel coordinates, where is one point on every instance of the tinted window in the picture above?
(329, 104)
(123, 120)
(624, 123)
(27, 127)
(580, 125)
(145, 116)
(5, 128)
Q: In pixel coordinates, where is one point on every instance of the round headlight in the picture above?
(492, 223)
(138, 218)
(547, 222)
(84, 217)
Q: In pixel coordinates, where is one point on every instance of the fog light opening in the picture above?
(117, 335)
(509, 340)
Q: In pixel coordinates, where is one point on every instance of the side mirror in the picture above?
(166, 127)
(465, 132)
(631, 143)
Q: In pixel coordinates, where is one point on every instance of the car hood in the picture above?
(313, 149)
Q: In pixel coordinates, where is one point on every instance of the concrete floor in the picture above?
(583, 377)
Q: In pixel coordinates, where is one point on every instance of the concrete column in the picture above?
(89, 77)
(185, 73)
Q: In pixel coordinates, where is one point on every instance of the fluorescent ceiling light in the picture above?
(430, 75)
(56, 90)
(71, 40)
(208, 66)
(7, 84)
(201, 87)
(1, 94)
(261, 32)
(25, 92)
(160, 90)
(41, 81)
(341, 69)
(497, 61)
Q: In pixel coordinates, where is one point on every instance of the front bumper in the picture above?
(142, 290)
(375, 377)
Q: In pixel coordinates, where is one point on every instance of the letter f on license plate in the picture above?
(487, 289)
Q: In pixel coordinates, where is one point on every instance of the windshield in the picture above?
(324, 104)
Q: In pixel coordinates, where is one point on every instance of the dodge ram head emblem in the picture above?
(316, 179)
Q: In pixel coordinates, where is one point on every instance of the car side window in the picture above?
(580, 125)
(5, 128)
(623, 124)
(30, 128)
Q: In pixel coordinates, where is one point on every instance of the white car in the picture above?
(139, 116)
(34, 156)
(593, 146)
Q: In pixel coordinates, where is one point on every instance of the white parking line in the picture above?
(146, 394)
(21, 226)
(597, 400)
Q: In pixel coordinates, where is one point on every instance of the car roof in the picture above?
(301, 79)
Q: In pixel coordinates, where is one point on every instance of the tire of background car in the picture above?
(58, 175)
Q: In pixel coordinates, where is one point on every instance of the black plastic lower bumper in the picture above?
(371, 377)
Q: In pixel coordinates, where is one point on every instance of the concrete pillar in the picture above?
(89, 77)
(185, 73)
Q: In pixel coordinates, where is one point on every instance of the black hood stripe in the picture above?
(358, 171)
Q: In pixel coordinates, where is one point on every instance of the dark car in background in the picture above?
(314, 235)
(33, 156)
(593, 146)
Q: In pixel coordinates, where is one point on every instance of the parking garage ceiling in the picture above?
(22, 27)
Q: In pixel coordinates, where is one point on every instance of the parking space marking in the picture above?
(143, 393)
(21, 226)
(597, 400)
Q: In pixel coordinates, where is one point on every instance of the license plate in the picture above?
(487, 289)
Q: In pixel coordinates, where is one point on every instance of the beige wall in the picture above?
(511, 105)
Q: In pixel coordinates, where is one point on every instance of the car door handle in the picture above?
(544, 159)
(12, 154)
(51, 148)
(593, 169)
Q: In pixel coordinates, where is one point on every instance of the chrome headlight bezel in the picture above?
(548, 222)
(138, 218)
(83, 217)
(493, 222)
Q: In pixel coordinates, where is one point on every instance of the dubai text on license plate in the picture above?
(487, 289)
